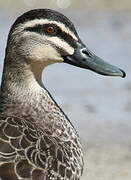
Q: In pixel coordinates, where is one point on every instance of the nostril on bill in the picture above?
(84, 59)
(86, 52)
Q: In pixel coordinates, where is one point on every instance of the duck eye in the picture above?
(50, 30)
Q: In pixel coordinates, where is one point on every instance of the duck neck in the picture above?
(21, 82)
(22, 95)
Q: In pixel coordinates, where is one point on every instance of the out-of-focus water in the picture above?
(99, 107)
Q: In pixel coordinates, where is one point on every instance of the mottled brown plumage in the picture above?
(29, 151)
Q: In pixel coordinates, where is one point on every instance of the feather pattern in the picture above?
(27, 150)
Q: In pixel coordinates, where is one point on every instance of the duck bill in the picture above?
(84, 58)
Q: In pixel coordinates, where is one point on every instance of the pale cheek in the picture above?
(45, 53)
(35, 48)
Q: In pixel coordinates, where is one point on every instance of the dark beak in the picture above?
(84, 58)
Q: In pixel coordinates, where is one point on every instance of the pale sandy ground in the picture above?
(108, 163)
(99, 107)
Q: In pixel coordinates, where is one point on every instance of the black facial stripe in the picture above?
(36, 29)
(59, 49)
(68, 38)
(41, 29)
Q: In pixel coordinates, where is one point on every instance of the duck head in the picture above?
(44, 36)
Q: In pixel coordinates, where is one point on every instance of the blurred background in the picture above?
(99, 107)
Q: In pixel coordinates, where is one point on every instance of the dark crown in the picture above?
(44, 14)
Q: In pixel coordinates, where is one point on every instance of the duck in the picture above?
(37, 139)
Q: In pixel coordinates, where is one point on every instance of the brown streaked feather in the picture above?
(7, 172)
(32, 154)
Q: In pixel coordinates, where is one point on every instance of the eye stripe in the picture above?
(41, 29)
(62, 26)
(60, 45)
(36, 28)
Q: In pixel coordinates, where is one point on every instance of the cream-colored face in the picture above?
(44, 45)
